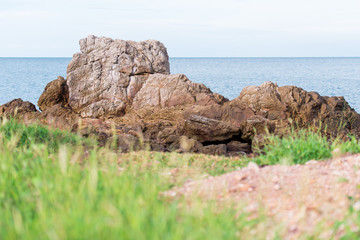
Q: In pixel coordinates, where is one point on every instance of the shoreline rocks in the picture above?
(18, 108)
(56, 92)
(107, 74)
(126, 87)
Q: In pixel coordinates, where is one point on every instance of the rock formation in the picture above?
(105, 78)
(282, 106)
(18, 108)
(107, 74)
(126, 87)
(56, 92)
(161, 90)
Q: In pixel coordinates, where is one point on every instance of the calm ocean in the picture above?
(26, 77)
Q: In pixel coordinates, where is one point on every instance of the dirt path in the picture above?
(299, 197)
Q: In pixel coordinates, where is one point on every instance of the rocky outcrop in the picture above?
(110, 76)
(283, 106)
(59, 116)
(123, 92)
(107, 74)
(161, 90)
(209, 130)
(18, 108)
(56, 92)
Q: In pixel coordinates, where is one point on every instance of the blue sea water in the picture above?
(26, 78)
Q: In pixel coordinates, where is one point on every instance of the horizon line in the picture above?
(217, 57)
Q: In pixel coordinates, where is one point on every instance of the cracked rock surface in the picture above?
(106, 75)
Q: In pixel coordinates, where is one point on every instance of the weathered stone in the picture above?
(162, 91)
(125, 142)
(236, 146)
(233, 112)
(262, 97)
(219, 149)
(103, 78)
(168, 135)
(59, 116)
(256, 125)
(128, 142)
(56, 92)
(282, 107)
(189, 145)
(110, 76)
(124, 89)
(209, 130)
(17, 108)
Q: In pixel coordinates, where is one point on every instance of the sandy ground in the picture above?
(304, 199)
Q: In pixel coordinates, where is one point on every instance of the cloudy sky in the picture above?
(188, 28)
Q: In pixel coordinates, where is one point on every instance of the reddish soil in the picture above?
(304, 199)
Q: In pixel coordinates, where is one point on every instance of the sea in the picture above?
(26, 78)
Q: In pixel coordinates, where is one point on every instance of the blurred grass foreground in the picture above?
(58, 185)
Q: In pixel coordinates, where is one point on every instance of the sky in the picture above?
(188, 28)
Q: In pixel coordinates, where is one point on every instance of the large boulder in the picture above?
(109, 77)
(56, 92)
(107, 74)
(162, 90)
(291, 106)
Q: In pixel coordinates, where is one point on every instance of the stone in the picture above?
(237, 146)
(107, 74)
(128, 142)
(205, 129)
(233, 112)
(59, 116)
(218, 149)
(123, 90)
(56, 92)
(162, 91)
(109, 77)
(17, 108)
(189, 145)
(256, 125)
(262, 97)
(280, 108)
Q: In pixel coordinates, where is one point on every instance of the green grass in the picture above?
(58, 185)
(25, 135)
(301, 146)
(296, 148)
(65, 190)
(350, 146)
